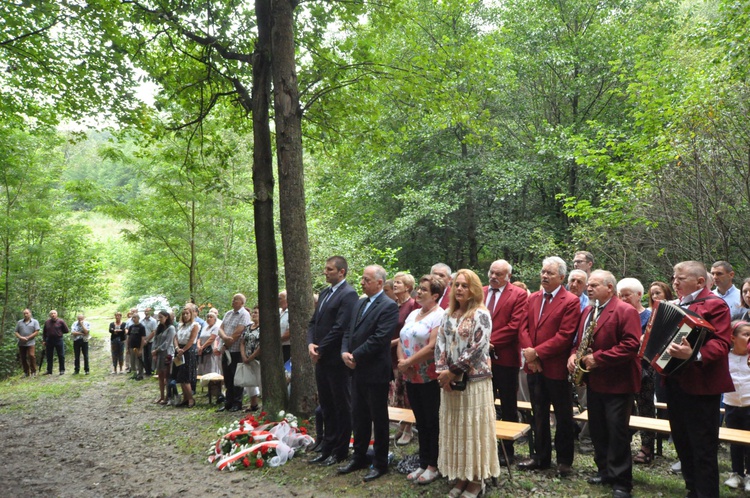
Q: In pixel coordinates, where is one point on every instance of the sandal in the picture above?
(642, 457)
(428, 476)
(191, 403)
(480, 491)
(458, 489)
(414, 475)
(158, 401)
(405, 439)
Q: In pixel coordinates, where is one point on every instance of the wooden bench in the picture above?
(507, 431)
(663, 406)
(214, 387)
(734, 436)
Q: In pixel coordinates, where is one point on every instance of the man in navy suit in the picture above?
(324, 333)
(366, 350)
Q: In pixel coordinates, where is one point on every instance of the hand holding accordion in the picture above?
(669, 324)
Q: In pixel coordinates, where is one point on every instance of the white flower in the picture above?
(282, 413)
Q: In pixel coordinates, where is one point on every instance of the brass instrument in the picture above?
(584, 348)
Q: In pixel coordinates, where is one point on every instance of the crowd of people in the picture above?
(447, 348)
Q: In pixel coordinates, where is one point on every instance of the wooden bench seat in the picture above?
(726, 435)
(509, 431)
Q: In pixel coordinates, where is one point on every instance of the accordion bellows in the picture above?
(668, 324)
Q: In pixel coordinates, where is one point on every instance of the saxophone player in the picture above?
(613, 379)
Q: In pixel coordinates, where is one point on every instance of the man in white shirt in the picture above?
(723, 275)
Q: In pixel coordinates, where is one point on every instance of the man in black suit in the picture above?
(366, 350)
(324, 333)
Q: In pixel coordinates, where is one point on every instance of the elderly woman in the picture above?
(186, 361)
(403, 285)
(416, 362)
(630, 290)
(468, 448)
(163, 352)
(250, 351)
(207, 361)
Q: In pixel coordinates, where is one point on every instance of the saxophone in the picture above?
(584, 348)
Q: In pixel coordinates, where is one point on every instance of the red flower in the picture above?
(245, 462)
(263, 414)
(269, 438)
(264, 450)
(232, 437)
(303, 430)
(306, 422)
(259, 463)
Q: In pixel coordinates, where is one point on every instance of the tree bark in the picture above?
(288, 120)
(272, 373)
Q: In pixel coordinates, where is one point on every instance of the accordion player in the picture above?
(669, 324)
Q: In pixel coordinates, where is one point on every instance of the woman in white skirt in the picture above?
(468, 448)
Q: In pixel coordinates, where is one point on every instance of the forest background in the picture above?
(402, 132)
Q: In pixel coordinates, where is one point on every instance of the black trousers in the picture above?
(234, 393)
(370, 411)
(694, 420)
(425, 403)
(79, 347)
(558, 393)
(147, 359)
(55, 344)
(738, 417)
(609, 416)
(505, 388)
(335, 398)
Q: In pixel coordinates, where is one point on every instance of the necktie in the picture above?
(545, 303)
(364, 309)
(491, 302)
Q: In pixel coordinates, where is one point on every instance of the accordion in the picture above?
(668, 325)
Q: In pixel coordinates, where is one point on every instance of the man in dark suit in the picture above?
(694, 393)
(324, 333)
(507, 306)
(366, 350)
(613, 380)
(546, 339)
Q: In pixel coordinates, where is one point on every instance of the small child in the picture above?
(737, 403)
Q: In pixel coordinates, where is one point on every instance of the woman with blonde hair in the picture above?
(468, 447)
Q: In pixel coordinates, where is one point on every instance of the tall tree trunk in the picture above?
(273, 378)
(288, 121)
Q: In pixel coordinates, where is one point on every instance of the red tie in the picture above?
(545, 303)
(491, 303)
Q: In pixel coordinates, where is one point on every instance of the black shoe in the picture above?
(620, 493)
(317, 447)
(75, 373)
(597, 480)
(564, 470)
(47, 373)
(235, 409)
(86, 372)
(374, 473)
(319, 458)
(222, 408)
(351, 467)
(332, 460)
(531, 464)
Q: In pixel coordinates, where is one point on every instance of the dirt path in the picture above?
(100, 435)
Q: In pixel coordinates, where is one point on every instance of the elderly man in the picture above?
(695, 394)
(52, 335)
(366, 350)
(507, 306)
(230, 331)
(613, 379)
(286, 336)
(553, 315)
(26, 331)
(325, 331)
(81, 334)
(577, 282)
(443, 272)
(583, 260)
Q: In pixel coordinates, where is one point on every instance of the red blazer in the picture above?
(507, 319)
(617, 338)
(711, 374)
(552, 337)
(445, 301)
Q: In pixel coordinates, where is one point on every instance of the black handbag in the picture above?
(460, 383)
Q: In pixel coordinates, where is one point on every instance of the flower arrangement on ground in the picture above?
(254, 442)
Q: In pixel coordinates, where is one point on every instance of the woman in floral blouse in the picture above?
(416, 362)
(468, 448)
(250, 351)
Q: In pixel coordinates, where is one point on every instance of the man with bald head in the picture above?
(366, 351)
(507, 306)
(52, 337)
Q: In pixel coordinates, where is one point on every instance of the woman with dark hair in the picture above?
(416, 362)
(468, 447)
(117, 342)
(163, 352)
(186, 372)
(658, 291)
(745, 299)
